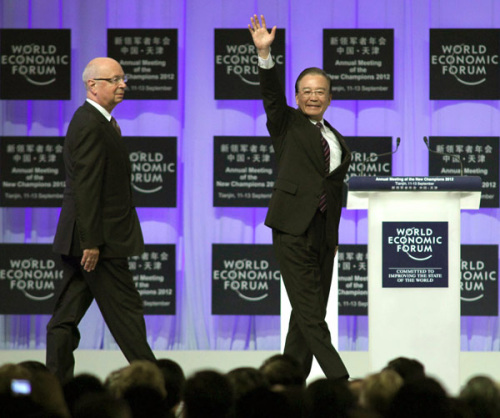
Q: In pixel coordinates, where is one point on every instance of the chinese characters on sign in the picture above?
(149, 59)
(479, 156)
(353, 279)
(360, 63)
(31, 172)
(154, 277)
(243, 171)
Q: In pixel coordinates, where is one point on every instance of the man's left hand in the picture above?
(90, 259)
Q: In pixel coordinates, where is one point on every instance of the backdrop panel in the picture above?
(195, 118)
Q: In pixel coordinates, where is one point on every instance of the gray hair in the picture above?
(90, 71)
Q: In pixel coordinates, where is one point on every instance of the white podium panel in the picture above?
(415, 322)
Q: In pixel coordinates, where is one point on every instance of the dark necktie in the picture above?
(326, 154)
(116, 126)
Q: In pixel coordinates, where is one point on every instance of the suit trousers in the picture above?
(112, 286)
(306, 265)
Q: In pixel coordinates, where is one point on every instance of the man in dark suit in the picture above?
(305, 207)
(98, 227)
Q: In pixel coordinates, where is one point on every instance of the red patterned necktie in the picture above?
(116, 126)
(326, 154)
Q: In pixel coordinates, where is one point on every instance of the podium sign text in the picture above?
(415, 254)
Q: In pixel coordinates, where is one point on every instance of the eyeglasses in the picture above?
(114, 80)
(308, 93)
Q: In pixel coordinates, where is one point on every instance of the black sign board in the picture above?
(154, 170)
(353, 279)
(464, 64)
(360, 63)
(149, 59)
(365, 159)
(154, 278)
(245, 280)
(415, 254)
(31, 277)
(479, 282)
(243, 171)
(32, 171)
(478, 156)
(35, 64)
(236, 64)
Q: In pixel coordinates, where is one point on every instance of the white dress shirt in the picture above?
(333, 143)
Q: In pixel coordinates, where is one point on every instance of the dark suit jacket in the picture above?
(301, 175)
(97, 209)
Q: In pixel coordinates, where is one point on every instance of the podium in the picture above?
(414, 268)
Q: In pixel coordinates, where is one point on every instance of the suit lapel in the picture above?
(102, 119)
(346, 154)
(312, 141)
(112, 133)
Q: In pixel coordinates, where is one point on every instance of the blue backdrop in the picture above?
(195, 118)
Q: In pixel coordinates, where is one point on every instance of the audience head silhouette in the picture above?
(276, 389)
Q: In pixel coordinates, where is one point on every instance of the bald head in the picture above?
(95, 67)
(105, 82)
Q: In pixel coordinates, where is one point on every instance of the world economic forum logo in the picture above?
(148, 171)
(467, 63)
(417, 243)
(32, 277)
(249, 279)
(464, 64)
(245, 280)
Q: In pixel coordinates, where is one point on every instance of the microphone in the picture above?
(455, 156)
(373, 156)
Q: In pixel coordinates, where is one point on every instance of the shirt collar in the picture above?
(101, 109)
(315, 122)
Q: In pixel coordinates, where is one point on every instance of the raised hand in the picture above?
(262, 38)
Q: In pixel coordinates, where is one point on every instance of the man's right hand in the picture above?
(262, 39)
